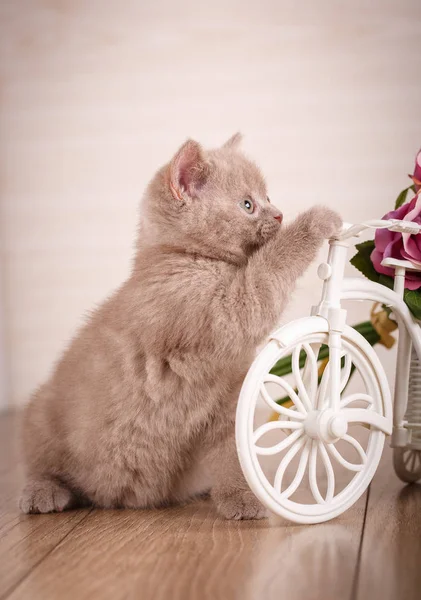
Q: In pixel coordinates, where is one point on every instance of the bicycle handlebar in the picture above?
(350, 230)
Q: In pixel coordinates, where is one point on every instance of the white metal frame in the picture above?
(321, 411)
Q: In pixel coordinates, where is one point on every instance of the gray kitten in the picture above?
(140, 409)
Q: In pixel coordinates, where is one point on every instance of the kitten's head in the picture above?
(212, 203)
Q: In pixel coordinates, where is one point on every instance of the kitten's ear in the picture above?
(188, 171)
(234, 141)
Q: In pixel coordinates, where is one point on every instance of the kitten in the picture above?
(140, 410)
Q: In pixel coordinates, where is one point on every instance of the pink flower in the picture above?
(416, 177)
(390, 244)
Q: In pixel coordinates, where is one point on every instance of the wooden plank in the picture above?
(390, 566)
(24, 540)
(189, 552)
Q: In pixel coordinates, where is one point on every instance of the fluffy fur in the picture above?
(140, 409)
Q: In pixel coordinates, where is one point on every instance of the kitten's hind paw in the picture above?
(240, 505)
(44, 496)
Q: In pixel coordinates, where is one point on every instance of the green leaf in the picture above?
(401, 199)
(367, 330)
(362, 260)
(387, 281)
(413, 300)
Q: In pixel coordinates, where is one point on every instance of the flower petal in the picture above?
(400, 246)
(376, 259)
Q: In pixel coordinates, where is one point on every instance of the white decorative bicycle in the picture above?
(327, 440)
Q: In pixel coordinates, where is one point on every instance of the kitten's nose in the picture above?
(279, 217)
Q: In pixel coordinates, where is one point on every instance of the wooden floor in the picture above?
(371, 552)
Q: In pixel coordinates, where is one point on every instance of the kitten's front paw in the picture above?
(326, 222)
(44, 496)
(241, 504)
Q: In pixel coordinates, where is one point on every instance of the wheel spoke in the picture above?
(296, 447)
(302, 392)
(346, 371)
(356, 398)
(341, 460)
(311, 371)
(291, 393)
(413, 461)
(273, 425)
(321, 395)
(312, 474)
(278, 408)
(302, 465)
(324, 383)
(355, 444)
(290, 439)
(329, 472)
(367, 417)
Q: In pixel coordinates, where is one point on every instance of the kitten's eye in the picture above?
(268, 199)
(247, 205)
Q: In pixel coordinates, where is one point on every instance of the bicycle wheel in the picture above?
(309, 443)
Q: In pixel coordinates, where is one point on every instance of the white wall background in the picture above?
(97, 94)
